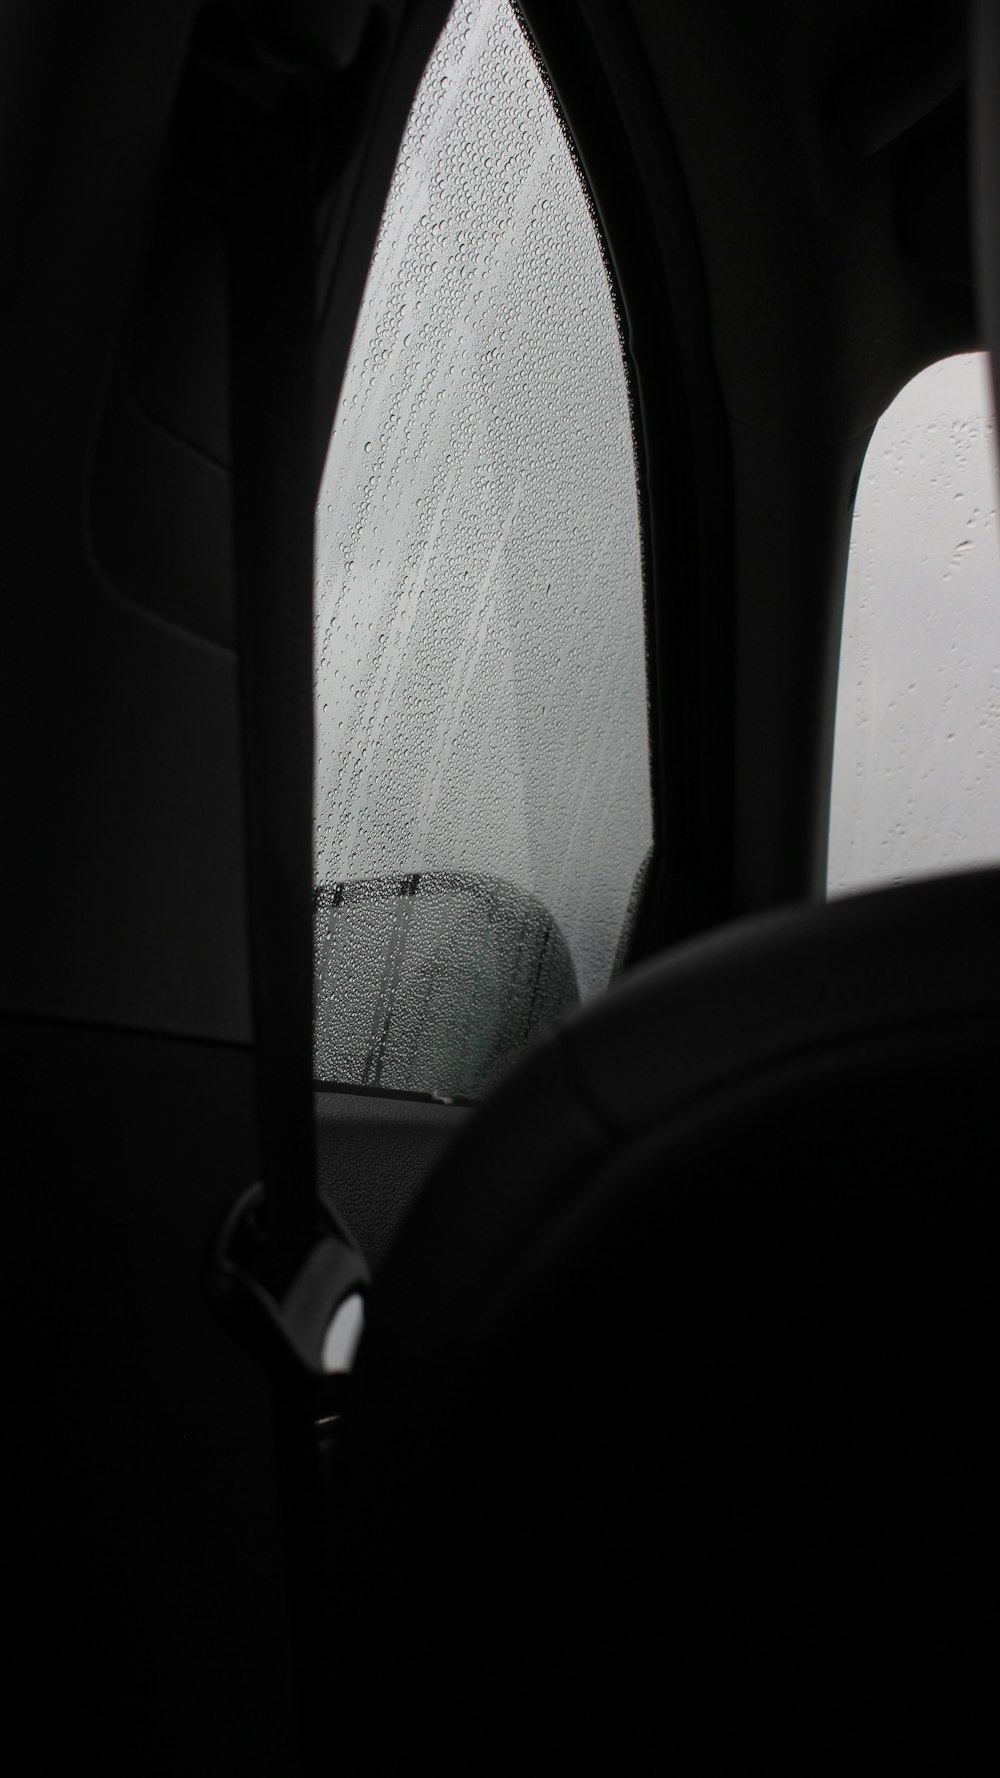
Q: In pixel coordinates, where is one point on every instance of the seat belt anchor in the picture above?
(291, 1293)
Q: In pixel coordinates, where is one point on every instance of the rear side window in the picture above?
(916, 775)
(483, 801)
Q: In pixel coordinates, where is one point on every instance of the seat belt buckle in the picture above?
(291, 1292)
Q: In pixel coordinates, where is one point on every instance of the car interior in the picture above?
(498, 1298)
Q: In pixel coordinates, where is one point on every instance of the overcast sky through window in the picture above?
(916, 779)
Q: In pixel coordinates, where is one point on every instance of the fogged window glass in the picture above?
(916, 778)
(483, 804)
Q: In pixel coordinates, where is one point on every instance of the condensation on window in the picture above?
(482, 773)
(916, 774)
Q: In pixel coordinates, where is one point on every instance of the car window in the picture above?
(916, 774)
(482, 776)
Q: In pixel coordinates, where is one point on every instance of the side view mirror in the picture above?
(433, 982)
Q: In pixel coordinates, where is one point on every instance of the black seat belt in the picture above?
(284, 1272)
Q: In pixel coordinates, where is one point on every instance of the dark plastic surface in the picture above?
(374, 1152)
(146, 1590)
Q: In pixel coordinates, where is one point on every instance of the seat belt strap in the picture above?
(283, 1264)
(283, 1271)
